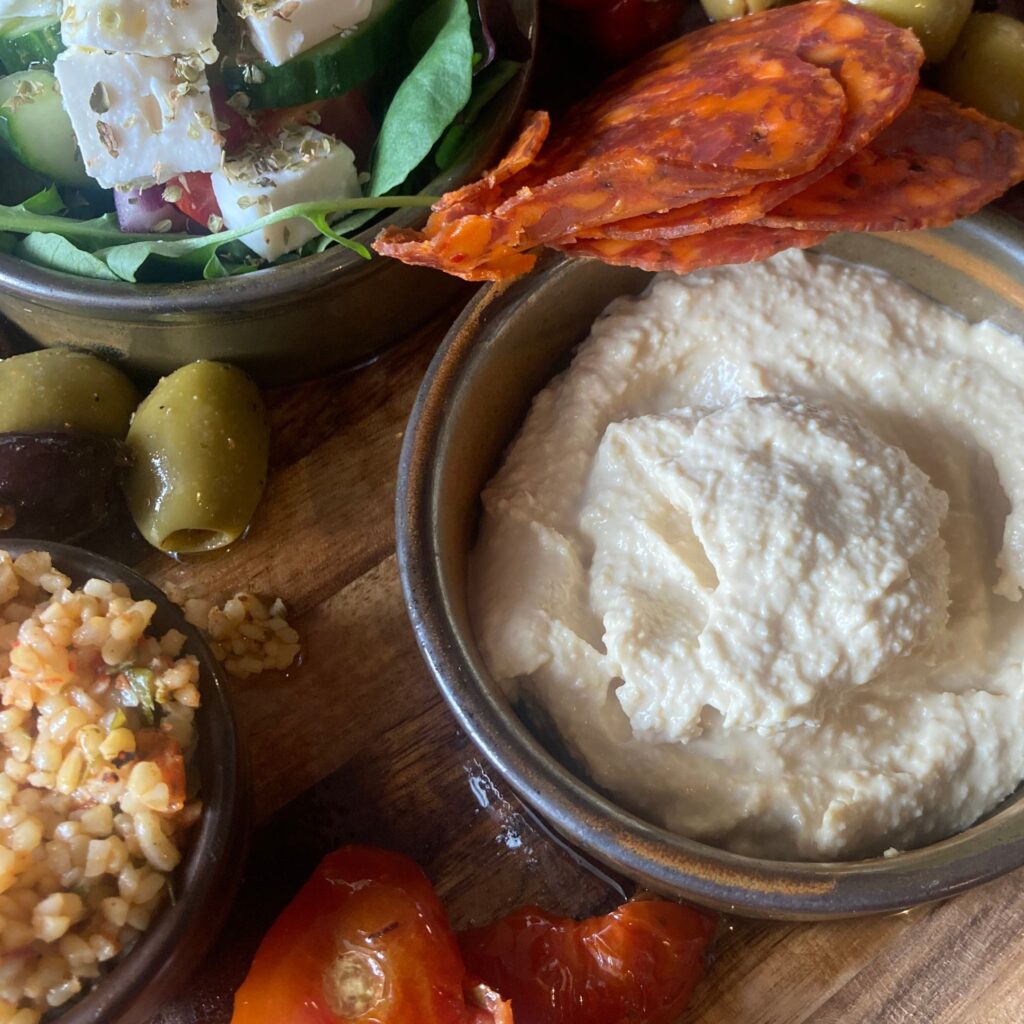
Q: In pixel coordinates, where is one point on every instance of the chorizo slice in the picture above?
(468, 235)
(759, 109)
(936, 163)
(484, 194)
(717, 123)
(739, 243)
(876, 63)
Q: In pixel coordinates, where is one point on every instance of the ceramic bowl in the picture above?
(141, 981)
(282, 324)
(502, 351)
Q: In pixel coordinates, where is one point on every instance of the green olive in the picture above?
(199, 446)
(936, 23)
(986, 68)
(57, 389)
(723, 10)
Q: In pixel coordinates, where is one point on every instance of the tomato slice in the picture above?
(345, 117)
(638, 964)
(232, 123)
(366, 939)
(197, 199)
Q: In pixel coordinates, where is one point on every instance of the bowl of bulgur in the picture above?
(122, 797)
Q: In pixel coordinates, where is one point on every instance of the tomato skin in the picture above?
(345, 117)
(163, 750)
(365, 936)
(197, 200)
(233, 126)
(638, 964)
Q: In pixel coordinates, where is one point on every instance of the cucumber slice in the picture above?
(25, 42)
(330, 69)
(35, 127)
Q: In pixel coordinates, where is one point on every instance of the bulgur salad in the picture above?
(96, 732)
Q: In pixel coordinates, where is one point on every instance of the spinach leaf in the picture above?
(41, 213)
(433, 93)
(486, 87)
(181, 257)
(353, 222)
(57, 253)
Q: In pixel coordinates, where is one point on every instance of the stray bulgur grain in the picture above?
(95, 729)
(249, 635)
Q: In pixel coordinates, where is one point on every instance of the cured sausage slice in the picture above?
(715, 123)
(738, 107)
(710, 132)
(876, 63)
(483, 195)
(936, 163)
(739, 243)
(466, 252)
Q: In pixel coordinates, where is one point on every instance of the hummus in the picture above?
(759, 555)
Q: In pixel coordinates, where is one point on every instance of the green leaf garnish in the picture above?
(141, 692)
(459, 133)
(87, 246)
(429, 98)
(56, 252)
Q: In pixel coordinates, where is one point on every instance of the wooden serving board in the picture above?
(355, 745)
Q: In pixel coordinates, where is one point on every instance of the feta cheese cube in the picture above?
(139, 120)
(299, 166)
(29, 9)
(154, 28)
(282, 29)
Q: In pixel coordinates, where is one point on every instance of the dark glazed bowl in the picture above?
(206, 880)
(503, 349)
(281, 324)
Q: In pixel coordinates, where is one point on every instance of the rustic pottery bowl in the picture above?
(282, 324)
(142, 981)
(500, 353)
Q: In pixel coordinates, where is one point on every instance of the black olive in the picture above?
(57, 485)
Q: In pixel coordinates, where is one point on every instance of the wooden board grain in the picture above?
(356, 745)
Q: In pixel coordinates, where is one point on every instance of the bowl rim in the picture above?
(137, 983)
(30, 282)
(661, 860)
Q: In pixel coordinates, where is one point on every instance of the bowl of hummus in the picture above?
(724, 571)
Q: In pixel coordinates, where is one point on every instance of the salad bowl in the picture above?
(282, 323)
(507, 345)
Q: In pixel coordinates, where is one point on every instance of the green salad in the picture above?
(175, 140)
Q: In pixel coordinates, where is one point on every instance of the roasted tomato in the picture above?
(638, 964)
(162, 749)
(366, 939)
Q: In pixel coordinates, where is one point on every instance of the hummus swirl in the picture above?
(759, 555)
